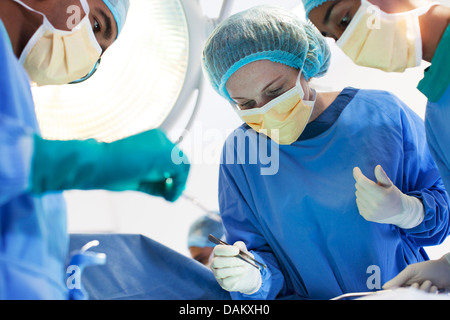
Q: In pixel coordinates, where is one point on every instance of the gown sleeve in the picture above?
(15, 162)
(16, 113)
(422, 180)
(241, 224)
(438, 134)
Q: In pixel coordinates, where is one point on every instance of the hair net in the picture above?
(311, 4)
(202, 228)
(263, 33)
(119, 9)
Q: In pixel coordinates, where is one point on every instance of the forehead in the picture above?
(255, 75)
(321, 14)
(317, 14)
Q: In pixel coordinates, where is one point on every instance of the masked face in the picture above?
(371, 37)
(389, 42)
(54, 57)
(270, 98)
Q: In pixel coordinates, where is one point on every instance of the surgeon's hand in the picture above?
(383, 202)
(148, 162)
(155, 165)
(232, 273)
(428, 276)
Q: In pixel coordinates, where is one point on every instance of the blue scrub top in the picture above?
(327, 118)
(302, 219)
(33, 229)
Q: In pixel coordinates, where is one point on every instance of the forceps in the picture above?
(242, 255)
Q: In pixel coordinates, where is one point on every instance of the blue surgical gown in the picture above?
(33, 229)
(295, 208)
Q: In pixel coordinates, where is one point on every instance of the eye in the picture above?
(275, 92)
(345, 21)
(97, 27)
(248, 105)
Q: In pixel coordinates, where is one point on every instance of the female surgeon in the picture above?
(303, 221)
(370, 32)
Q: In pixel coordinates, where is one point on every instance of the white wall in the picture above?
(131, 212)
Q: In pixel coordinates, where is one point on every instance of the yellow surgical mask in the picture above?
(390, 42)
(284, 118)
(55, 57)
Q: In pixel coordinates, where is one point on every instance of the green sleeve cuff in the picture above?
(437, 76)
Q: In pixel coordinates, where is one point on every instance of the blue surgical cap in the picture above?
(311, 4)
(263, 33)
(202, 228)
(119, 9)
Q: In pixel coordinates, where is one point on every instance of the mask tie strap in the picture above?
(28, 7)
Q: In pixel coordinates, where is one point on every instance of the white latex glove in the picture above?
(428, 276)
(232, 273)
(383, 202)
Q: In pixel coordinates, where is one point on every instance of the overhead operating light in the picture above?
(145, 80)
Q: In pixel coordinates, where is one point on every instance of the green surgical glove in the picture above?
(148, 162)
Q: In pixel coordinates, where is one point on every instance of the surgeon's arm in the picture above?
(422, 180)
(240, 225)
(16, 145)
(146, 162)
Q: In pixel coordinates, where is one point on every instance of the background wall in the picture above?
(132, 212)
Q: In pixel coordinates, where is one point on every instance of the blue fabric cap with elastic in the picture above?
(311, 4)
(202, 228)
(263, 33)
(119, 9)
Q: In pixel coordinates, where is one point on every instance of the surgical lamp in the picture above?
(150, 78)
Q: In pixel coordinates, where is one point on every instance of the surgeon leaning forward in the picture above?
(41, 43)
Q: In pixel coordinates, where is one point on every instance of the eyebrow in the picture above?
(326, 19)
(264, 89)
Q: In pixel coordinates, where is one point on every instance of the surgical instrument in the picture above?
(242, 255)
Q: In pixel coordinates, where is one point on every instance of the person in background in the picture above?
(53, 42)
(304, 222)
(393, 36)
(199, 246)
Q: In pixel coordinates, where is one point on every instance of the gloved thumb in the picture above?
(357, 174)
(382, 178)
(241, 245)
